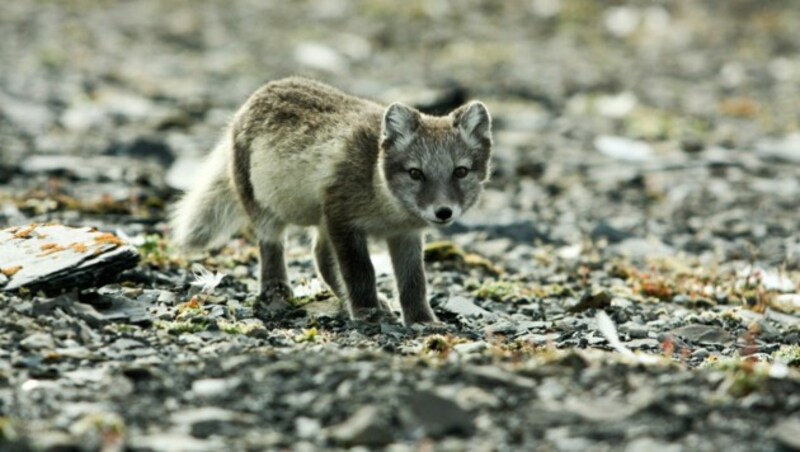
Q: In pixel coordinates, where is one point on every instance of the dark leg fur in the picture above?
(358, 274)
(409, 271)
(275, 290)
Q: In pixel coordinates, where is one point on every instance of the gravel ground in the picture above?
(628, 282)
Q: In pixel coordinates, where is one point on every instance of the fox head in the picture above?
(436, 166)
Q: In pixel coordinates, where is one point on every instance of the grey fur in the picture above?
(303, 153)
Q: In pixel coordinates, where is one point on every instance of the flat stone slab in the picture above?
(53, 258)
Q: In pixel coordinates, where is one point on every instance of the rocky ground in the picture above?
(629, 281)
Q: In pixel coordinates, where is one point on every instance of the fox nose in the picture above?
(444, 213)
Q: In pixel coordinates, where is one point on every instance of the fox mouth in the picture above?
(438, 222)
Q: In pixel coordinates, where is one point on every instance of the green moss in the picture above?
(789, 355)
(52, 57)
(154, 251)
(180, 327)
(506, 291)
(237, 328)
(8, 429)
(319, 296)
(124, 328)
(106, 425)
(233, 329)
(452, 255)
(309, 335)
(743, 376)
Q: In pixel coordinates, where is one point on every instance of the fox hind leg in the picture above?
(276, 293)
(275, 290)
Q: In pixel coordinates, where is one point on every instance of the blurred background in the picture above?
(653, 126)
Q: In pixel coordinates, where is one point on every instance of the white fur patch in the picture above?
(290, 182)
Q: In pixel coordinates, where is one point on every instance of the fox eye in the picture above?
(461, 172)
(416, 174)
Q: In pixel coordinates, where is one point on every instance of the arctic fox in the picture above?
(303, 153)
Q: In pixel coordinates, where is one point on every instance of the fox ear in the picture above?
(474, 124)
(400, 123)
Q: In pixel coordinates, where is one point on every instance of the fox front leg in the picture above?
(358, 274)
(409, 271)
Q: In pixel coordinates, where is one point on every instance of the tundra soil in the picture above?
(628, 282)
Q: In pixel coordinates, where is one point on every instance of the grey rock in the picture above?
(52, 258)
(307, 428)
(623, 149)
(603, 230)
(786, 149)
(32, 117)
(84, 376)
(638, 332)
(646, 343)
(213, 387)
(600, 410)
(465, 307)
(786, 320)
(787, 432)
(126, 344)
(703, 334)
(38, 341)
(640, 249)
(173, 441)
(438, 416)
(497, 376)
(118, 308)
(216, 312)
(651, 444)
(88, 314)
(167, 297)
(471, 347)
(366, 427)
(53, 440)
(592, 300)
(95, 168)
(206, 421)
(46, 306)
(320, 57)
(144, 148)
(563, 442)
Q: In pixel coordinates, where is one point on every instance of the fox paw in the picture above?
(375, 315)
(275, 297)
(427, 318)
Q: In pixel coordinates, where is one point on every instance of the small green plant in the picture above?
(8, 431)
(191, 309)
(154, 249)
(237, 328)
(309, 335)
(789, 355)
(155, 252)
(124, 328)
(743, 376)
(503, 291)
(180, 327)
(452, 255)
